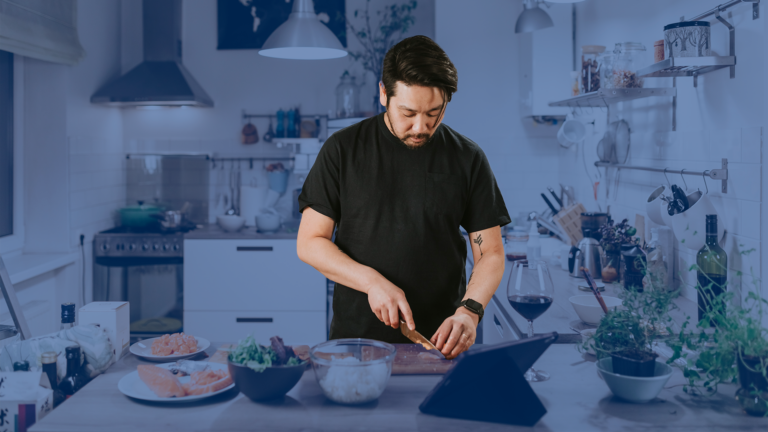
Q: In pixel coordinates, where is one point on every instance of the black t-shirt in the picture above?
(398, 211)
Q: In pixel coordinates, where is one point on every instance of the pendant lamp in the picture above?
(532, 18)
(303, 37)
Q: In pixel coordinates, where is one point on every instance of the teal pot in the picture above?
(139, 216)
(278, 180)
(753, 394)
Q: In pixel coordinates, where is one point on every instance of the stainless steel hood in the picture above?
(161, 79)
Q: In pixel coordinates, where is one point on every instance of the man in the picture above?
(397, 187)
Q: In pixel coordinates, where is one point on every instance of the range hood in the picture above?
(161, 79)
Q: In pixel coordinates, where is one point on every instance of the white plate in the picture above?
(146, 353)
(132, 386)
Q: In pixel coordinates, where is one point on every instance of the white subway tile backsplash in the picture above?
(725, 143)
(751, 144)
(750, 219)
(744, 181)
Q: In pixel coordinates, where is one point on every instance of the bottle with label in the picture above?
(74, 380)
(67, 316)
(48, 359)
(712, 274)
(533, 247)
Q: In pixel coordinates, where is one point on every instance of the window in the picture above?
(6, 144)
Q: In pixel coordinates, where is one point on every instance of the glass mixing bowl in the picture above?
(352, 371)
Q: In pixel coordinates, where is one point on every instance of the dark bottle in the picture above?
(291, 132)
(712, 274)
(74, 380)
(48, 359)
(21, 366)
(297, 124)
(280, 129)
(67, 316)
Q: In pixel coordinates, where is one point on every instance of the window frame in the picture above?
(14, 244)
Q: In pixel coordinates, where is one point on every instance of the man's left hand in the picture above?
(457, 333)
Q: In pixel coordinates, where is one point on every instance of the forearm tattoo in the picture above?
(479, 241)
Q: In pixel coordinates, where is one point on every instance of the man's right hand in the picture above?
(388, 303)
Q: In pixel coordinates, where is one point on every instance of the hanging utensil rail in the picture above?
(715, 174)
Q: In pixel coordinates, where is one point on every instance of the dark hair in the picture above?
(418, 60)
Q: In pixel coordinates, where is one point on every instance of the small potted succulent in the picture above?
(612, 237)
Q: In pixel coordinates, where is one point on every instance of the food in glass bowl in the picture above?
(352, 371)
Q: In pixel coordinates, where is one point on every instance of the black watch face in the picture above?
(475, 306)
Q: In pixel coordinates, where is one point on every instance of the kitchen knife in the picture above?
(416, 337)
(549, 203)
(557, 198)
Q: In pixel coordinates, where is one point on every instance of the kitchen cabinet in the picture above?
(236, 287)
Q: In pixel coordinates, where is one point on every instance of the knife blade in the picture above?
(416, 337)
(557, 198)
(549, 203)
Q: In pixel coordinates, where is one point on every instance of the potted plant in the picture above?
(734, 350)
(612, 237)
(378, 36)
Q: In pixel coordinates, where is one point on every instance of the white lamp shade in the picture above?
(303, 37)
(532, 18)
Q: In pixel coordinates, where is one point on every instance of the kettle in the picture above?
(586, 254)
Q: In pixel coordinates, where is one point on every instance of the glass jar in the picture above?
(590, 68)
(347, 97)
(628, 57)
(517, 243)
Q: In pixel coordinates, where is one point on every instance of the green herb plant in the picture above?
(711, 355)
(643, 319)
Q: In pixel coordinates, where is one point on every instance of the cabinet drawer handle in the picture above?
(254, 320)
(254, 248)
(498, 325)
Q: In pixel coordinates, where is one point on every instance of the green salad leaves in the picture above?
(258, 357)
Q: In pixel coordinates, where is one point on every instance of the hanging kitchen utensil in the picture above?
(679, 201)
(270, 133)
(249, 134)
(620, 134)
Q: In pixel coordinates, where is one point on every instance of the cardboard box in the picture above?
(113, 316)
(22, 401)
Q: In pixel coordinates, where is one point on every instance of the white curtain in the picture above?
(41, 29)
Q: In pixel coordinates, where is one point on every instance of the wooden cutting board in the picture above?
(414, 359)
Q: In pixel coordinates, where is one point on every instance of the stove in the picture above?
(125, 246)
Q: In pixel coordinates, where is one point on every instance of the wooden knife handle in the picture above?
(595, 291)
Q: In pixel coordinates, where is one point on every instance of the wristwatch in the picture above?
(473, 306)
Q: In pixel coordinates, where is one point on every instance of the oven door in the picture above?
(154, 291)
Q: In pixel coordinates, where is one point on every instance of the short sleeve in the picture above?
(485, 206)
(321, 188)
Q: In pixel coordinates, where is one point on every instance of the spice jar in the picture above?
(517, 243)
(628, 57)
(590, 68)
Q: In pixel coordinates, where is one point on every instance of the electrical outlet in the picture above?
(79, 237)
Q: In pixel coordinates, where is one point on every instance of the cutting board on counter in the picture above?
(414, 359)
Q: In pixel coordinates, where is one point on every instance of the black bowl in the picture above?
(271, 383)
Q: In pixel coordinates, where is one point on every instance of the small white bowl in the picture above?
(230, 223)
(589, 310)
(634, 389)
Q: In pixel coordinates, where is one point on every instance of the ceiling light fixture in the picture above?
(303, 37)
(532, 18)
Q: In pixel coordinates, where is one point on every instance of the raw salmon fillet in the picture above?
(177, 343)
(161, 381)
(208, 381)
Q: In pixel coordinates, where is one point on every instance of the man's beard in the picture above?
(426, 137)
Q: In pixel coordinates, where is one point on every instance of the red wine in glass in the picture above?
(530, 306)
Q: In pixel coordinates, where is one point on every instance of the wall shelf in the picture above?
(603, 97)
(687, 67)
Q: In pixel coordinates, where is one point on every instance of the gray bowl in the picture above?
(271, 383)
(634, 389)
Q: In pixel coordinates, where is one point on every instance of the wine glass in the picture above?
(530, 292)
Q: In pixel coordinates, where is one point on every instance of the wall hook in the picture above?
(704, 176)
(683, 177)
(665, 176)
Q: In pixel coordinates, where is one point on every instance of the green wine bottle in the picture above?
(712, 274)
